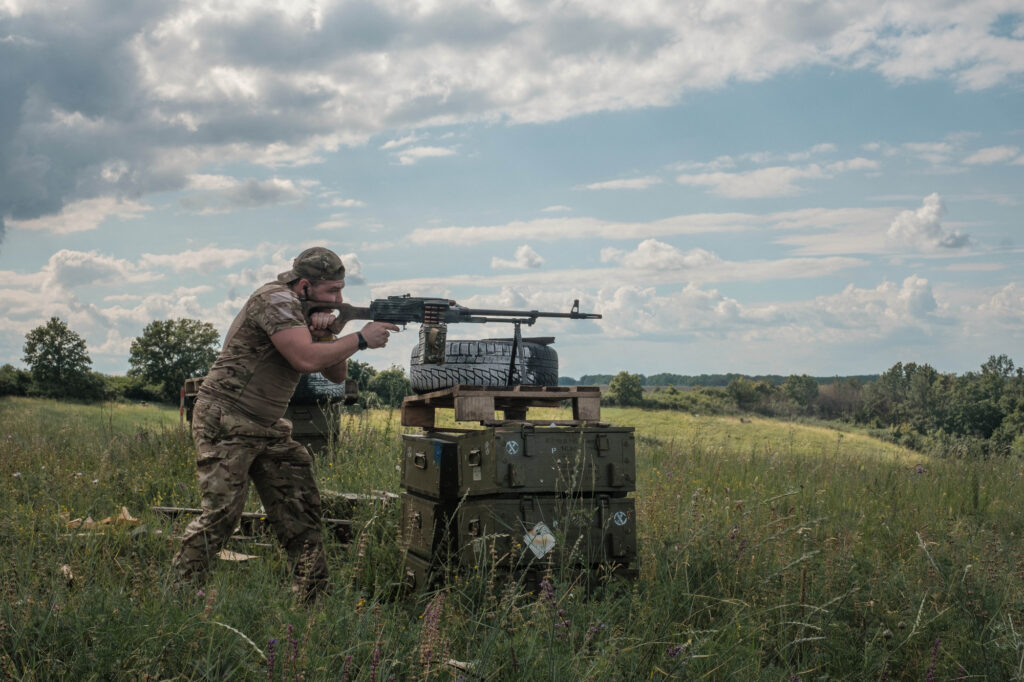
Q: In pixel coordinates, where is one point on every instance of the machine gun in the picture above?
(435, 314)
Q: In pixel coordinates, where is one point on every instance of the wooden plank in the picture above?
(478, 403)
(542, 422)
(588, 409)
(474, 408)
(418, 415)
(517, 412)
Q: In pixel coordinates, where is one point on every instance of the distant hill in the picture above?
(668, 379)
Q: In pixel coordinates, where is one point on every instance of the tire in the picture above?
(483, 363)
(315, 388)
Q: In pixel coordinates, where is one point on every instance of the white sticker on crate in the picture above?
(540, 540)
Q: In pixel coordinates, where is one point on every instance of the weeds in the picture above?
(767, 551)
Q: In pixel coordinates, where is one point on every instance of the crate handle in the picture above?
(417, 519)
(473, 458)
(474, 527)
(420, 460)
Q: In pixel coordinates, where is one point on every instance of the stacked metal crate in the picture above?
(523, 495)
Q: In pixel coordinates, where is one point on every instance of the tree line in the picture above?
(160, 360)
(666, 379)
(973, 414)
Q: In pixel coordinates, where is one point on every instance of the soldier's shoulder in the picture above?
(275, 291)
(273, 303)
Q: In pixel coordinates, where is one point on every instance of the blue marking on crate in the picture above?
(438, 449)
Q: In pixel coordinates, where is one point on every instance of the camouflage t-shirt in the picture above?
(250, 376)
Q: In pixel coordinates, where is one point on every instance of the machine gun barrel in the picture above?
(406, 309)
(531, 315)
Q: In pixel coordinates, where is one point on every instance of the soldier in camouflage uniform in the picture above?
(237, 422)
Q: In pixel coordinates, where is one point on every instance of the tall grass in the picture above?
(769, 550)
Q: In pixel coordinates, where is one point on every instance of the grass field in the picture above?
(768, 551)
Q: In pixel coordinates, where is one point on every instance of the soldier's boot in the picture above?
(309, 567)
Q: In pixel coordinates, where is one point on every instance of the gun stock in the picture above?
(345, 311)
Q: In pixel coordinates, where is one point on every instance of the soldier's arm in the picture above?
(304, 355)
(336, 373)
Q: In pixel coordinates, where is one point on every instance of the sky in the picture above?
(780, 187)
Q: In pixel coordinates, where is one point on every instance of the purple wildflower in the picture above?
(548, 590)
(375, 663)
(930, 676)
(271, 647)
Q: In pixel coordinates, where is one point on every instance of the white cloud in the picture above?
(353, 269)
(525, 258)
(550, 229)
(400, 142)
(721, 163)
(1006, 306)
(975, 267)
(174, 89)
(922, 229)
(773, 181)
(626, 183)
(347, 203)
(223, 194)
(851, 314)
(558, 208)
(87, 214)
(205, 260)
(114, 344)
(990, 155)
(651, 254)
(408, 157)
(932, 152)
(859, 163)
(333, 224)
(10, 278)
(69, 270)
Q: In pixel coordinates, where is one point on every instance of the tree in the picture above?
(170, 351)
(750, 395)
(362, 373)
(626, 389)
(58, 361)
(802, 390)
(14, 381)
(391, 386)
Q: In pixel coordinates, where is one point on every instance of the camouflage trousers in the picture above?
(231, 450)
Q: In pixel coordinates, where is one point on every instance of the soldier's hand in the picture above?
(319, 325)
(377, 333)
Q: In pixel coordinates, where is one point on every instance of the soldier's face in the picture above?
(328, 291)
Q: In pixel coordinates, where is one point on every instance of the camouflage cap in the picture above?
(314, 264)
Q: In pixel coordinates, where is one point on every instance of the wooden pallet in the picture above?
(252, 524)
(479, 403)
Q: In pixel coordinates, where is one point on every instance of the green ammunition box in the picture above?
(315, 426)
(567, 531)
(524, 531)
(422, 574)
(423, 526)
(520, 459)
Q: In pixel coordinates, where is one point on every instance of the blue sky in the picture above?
(798, 187)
